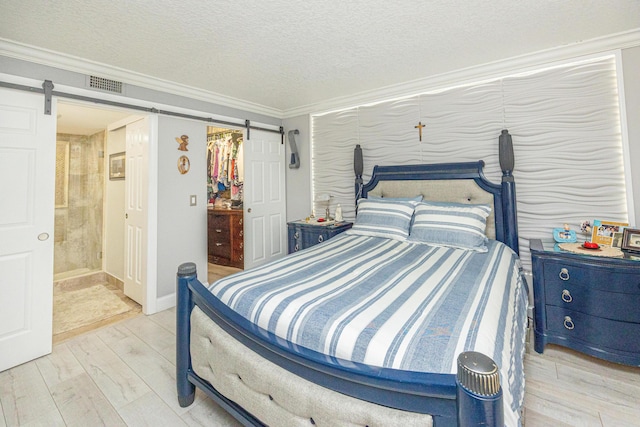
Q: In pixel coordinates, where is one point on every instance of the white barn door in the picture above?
(136, 210)
(264, 198)
(27, 181)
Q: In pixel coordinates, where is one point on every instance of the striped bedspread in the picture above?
(393, 304)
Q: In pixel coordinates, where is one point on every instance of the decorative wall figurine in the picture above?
(183, 141)
(183, 164)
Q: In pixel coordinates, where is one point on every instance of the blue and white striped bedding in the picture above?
(393, 304)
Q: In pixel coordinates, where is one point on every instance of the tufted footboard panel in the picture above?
(274, 395)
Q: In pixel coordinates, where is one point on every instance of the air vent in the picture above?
(106, 85)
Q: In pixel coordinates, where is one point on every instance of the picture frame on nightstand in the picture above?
(602, 231)
(631, 240)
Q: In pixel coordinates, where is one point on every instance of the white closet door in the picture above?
(27, 180)
(265, 201)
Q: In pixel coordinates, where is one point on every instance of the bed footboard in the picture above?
(473, 397)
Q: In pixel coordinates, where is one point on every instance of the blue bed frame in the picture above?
(442, 395)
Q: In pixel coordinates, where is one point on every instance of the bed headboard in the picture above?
(452, 182)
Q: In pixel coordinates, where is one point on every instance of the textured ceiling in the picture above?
(287, 54)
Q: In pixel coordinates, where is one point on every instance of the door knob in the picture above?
(249, 210)
(43, 236)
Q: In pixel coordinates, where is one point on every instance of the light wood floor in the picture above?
(124, 374)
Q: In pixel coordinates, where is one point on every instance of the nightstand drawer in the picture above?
(609, 305)
(609, 279)
(607, 333)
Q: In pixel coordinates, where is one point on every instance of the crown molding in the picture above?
(12, 49)
(459, 77)
(465, 76)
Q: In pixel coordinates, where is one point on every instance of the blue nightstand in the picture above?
(303, 235)
(588, 303)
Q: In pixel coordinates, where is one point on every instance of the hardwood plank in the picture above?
(208, 413)
(570, 357)
(600, 391)
(615, 419)
(112, 375)
(150, 410)
(2, 422)
(154, 335)
(155, 370)
(539, 367)
(166, 319)
(81, 403)
(61, 365)
(25, 397)
(541, 399)
(536, 419)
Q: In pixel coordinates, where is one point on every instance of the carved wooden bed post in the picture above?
(186, 390)
(508, 189)
(357, 168)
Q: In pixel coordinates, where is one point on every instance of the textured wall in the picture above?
(78, 226)
(566, 130)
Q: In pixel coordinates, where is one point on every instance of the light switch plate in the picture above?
(194, 200)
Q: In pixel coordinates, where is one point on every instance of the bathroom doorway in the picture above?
(85, 295)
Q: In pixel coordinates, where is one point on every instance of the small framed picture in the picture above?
(616, 241)
(631, 240)
(602, 231)
(117, 165)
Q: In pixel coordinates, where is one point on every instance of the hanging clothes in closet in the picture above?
(224, 166)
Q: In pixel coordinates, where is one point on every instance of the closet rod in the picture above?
(47, 90)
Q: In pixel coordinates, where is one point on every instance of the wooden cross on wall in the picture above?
(419, 126)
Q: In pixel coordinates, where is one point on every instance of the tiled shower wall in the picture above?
(78, 225)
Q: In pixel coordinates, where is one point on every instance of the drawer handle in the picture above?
(320, 238)
(218, 244)
(564, 274)
(296, 248)
(240, 220)
(568, 323)
(566, 296)
(296, 235)
(218, 230)
(241, 233)
(241, 257)
(241, 245)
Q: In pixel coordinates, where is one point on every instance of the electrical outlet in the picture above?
(194, 200)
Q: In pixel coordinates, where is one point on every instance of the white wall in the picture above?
(631, 65)
(113, 240)
(182, 229)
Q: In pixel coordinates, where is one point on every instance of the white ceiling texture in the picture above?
(286, 55)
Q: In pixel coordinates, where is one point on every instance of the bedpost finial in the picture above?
(506, 152)
(478, 373)
(187, 269)
(357, 161)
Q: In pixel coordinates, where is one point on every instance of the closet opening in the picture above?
(225, 218)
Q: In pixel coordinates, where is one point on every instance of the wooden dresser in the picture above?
(226, 237)
(588, 303)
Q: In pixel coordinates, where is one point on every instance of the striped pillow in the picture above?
(382, 218)
(452, 225)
